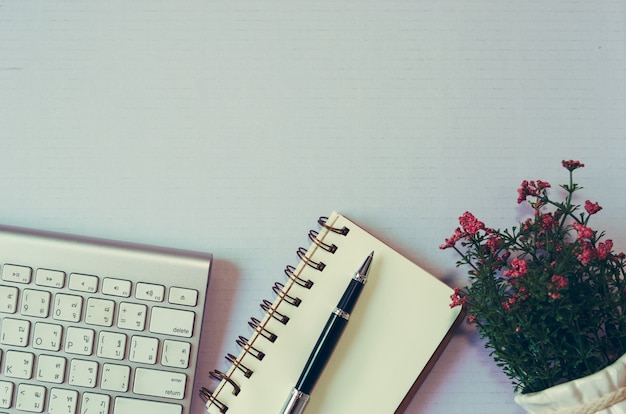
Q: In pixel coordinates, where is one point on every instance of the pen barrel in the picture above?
(350, 296)
(321, 353)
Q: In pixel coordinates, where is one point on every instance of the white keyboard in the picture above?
(94, 326)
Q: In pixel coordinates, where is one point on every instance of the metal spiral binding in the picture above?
(247, 372)
(245, 345)
(278, 290)
(259, 327)
(217, 374)
(266, 305)
(303, 257)
(207, 396)
(328, 247)
(290, 271)
(322, 222)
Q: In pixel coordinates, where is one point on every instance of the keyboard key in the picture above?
(156, 383)
(47, 336)
(115, 377)
(182, 296)
(150, 291)
(175, 354)
(51, 369)
(30, 398)
(116, 287)
(18, 364)
(95, 403)
(68, 307)
(172, 322)
(143, 350)
(83, 283)
(50, 278)
(125, 405)
(132, 316)
(6, 394)
(35, 303)
(15, 332)
(79, 341)
(18, 274)
(8, 299)
(111, 345)
(62, 401)
(99, 312)
(83, 373)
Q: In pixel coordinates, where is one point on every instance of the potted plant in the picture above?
(548, 296)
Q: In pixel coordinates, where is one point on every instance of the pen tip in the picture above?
(365, 267)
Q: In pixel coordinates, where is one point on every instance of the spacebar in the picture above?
(133, 406)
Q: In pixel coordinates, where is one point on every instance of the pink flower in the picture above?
(528, 224)
(547, 221)
(523, 291)
(471, 224)
(584, 232)
(604, 249)
(592, 208)
(457, 298)
(518, 268)
(508, 304)
(588, 253)
(451, 242)
(493, 243)
(558, 283)
(571, 165)
(531, 188)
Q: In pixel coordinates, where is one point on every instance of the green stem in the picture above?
(467, 261)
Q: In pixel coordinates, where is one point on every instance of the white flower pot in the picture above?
(603, 392)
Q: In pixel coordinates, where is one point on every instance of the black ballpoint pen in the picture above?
(327, 341)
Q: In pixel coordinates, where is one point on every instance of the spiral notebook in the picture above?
(397, 330)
